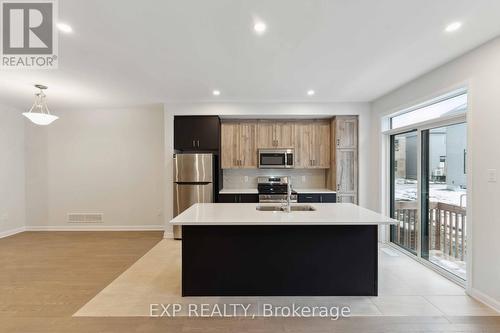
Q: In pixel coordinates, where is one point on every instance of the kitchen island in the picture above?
(325, 249)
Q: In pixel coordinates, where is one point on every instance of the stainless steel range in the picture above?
(274, 189)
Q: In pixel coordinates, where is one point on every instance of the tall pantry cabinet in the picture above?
(346, 158)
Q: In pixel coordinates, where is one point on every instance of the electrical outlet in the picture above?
(492, 175)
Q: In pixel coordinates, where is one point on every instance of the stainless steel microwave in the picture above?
(276, 158)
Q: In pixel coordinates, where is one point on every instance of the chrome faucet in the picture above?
(288, 207)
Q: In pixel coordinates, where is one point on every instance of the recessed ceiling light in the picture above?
(310, 92)
(216, 92)
(453, 26)
(260, 27)
(65, 27)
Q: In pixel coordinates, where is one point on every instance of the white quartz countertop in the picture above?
(247, 214)
(255, 191)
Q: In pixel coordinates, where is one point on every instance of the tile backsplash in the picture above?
(247, 178)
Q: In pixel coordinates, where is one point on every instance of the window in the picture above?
(446, 107)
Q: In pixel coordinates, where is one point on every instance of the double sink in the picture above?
(293, 208)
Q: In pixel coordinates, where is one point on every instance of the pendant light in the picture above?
(39, 113)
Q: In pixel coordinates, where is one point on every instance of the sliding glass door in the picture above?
(404, 190)
(444, 197)
(428, 188)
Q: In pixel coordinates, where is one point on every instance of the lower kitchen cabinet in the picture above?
(239, 198)
(317, 197)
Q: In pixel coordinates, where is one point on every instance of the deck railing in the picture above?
(448, 227)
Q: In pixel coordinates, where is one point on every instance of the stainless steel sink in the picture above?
(294, 208)
(303, 208)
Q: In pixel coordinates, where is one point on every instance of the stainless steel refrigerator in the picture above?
(193, 182)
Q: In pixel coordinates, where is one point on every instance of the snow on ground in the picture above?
(406, 190)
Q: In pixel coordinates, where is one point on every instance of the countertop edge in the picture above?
(298, 190)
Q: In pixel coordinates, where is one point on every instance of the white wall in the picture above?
(275, 110)
(479, 70)
(97, 161)
(12, 181)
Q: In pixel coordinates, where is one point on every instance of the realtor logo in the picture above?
(29, 37)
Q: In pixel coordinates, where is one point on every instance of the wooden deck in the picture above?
(448, 230)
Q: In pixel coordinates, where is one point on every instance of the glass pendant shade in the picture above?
(39, 113)
(40, 118)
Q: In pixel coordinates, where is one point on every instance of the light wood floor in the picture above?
(45, 277)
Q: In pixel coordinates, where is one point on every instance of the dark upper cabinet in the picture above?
(239, 198)
(317, 197)
(196, 133)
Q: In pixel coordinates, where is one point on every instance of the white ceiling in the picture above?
(139, 52)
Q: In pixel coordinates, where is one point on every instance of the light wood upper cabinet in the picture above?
(248, 144)
(347, 132)
(238, 145)
(265, 137)
(229, 145)
(311, 140)
(284, 134)
(303, 138)
(312, 144)
(321, 144)
(275, 134)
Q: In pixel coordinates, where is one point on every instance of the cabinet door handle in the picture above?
(194, 143)
(198, 143)
(338, 142)
(338, 187)
(320, 198)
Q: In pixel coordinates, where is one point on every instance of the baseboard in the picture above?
(12, 232)
(483, 298)
(97, 228)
